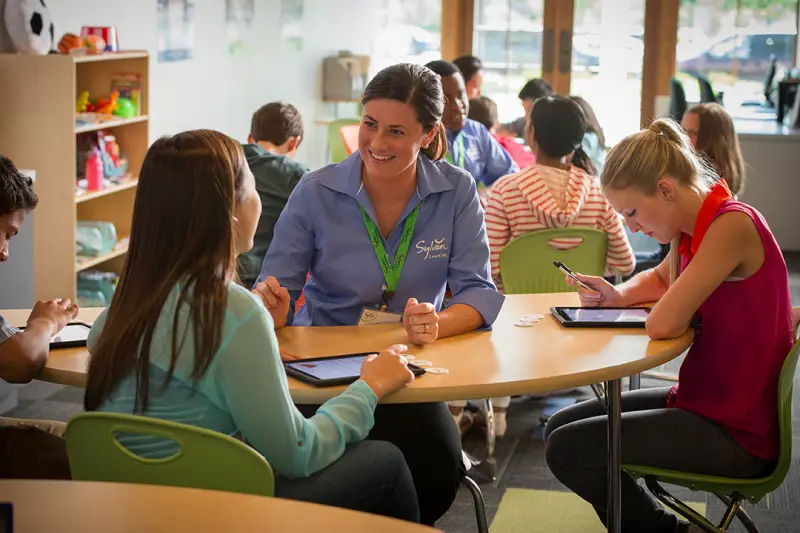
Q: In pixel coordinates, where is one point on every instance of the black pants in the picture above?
(652, 435)
(430, 443)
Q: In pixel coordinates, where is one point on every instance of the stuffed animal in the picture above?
(29, 25)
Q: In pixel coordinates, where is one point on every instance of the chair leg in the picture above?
(741, 514)
(480, 505)
(679, 507)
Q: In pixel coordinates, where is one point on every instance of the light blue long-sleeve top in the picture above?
(483, 156)
(244, 390)
(322, 231)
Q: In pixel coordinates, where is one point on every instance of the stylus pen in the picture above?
(565, 269)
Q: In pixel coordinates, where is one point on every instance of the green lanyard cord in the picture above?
(459, 143)
(391, 271)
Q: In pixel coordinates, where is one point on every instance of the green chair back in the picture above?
(336, 146)
(751, 489)
(526, 263)
(205, 459)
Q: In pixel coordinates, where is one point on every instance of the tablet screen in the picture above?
(336, 368)
(71, 333)
(606, 315)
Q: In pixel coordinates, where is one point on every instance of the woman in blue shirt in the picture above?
(383, 234)
(183, 342)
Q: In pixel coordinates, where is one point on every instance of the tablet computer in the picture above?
(73, 335)
(601, 317)
(333, 370)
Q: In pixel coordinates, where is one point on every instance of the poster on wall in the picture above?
(175, 21)
(239, 24)
(292, 25)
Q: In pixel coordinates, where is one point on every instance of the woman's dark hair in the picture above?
(16, 189)
(418, 87)
(182, 239)
(535, 89)
(592, 124)
(558, 129)
(483, 110)
(468, 65)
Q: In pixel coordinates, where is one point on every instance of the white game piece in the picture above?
(523, 324)
(535, 317)
(420, 363)
(437, 370)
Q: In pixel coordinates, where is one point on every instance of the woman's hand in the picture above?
(421, 322)
(275, 298)
(603, 295)
(387, 372)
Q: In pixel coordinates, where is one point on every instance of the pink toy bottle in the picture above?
(94, 171)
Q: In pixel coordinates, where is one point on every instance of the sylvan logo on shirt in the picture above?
(435, 249)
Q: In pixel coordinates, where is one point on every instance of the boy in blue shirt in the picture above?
(276, 131)
(470, 145)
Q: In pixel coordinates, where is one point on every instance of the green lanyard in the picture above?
(391, 271)
(459, 143)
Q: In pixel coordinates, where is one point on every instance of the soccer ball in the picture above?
(29, 25)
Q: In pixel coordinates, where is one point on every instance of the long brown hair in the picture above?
(718, 142)
(641, 159)
(182, 238)
(592, 124)
(419, 87)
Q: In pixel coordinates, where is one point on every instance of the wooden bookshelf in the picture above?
(38, 131)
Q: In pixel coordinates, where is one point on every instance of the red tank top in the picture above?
(730, 374)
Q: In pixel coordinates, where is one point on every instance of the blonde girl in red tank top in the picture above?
(726, 277)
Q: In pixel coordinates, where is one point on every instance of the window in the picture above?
(411, 33)
(731, 43)
(508, 40)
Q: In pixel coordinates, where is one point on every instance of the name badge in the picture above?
(371, 317)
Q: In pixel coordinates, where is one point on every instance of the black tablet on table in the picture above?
(73, 335)
(601, 317)
(333, 370)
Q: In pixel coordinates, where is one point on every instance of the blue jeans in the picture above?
(371, 476)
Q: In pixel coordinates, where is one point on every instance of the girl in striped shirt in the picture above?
(559, 191)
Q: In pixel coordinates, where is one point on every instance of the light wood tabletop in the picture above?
(80, 506)
(505, 361)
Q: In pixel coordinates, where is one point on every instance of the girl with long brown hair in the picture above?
(183, 341)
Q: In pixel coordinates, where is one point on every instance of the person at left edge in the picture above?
(397, 173)
(470, 145)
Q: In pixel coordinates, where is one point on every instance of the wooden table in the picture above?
(80, 506)
(505, 361)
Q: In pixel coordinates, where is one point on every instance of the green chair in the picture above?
(526, 263)
(205, 459)
(336, 146)
(730, 490)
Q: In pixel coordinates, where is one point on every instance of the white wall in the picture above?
(219, 91)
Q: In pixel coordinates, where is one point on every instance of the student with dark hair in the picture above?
(25, 451)
(530, 92)
(276, 131)
(383, 233)
(559, 191)
(182, 341)
(472, 69)
(484, 110)
(470, 146)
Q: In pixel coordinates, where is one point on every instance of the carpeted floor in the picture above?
(520, 457)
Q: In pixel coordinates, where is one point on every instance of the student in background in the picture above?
(710, 129)
(484, 110)
(472, 70)
(530, 92)
(559, 191)
(183, 341)
(276, 131)
(346, 223)
(469, 144)
(24, 353)
(594, 141)
(721, 419)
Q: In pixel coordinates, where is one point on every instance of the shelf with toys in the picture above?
(86, 165)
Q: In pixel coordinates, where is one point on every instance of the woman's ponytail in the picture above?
(437, 149)
(582, 160)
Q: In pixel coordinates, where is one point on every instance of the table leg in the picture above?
(614, 509)
(636, 382)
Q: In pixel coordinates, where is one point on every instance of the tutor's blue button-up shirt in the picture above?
(321, 231)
